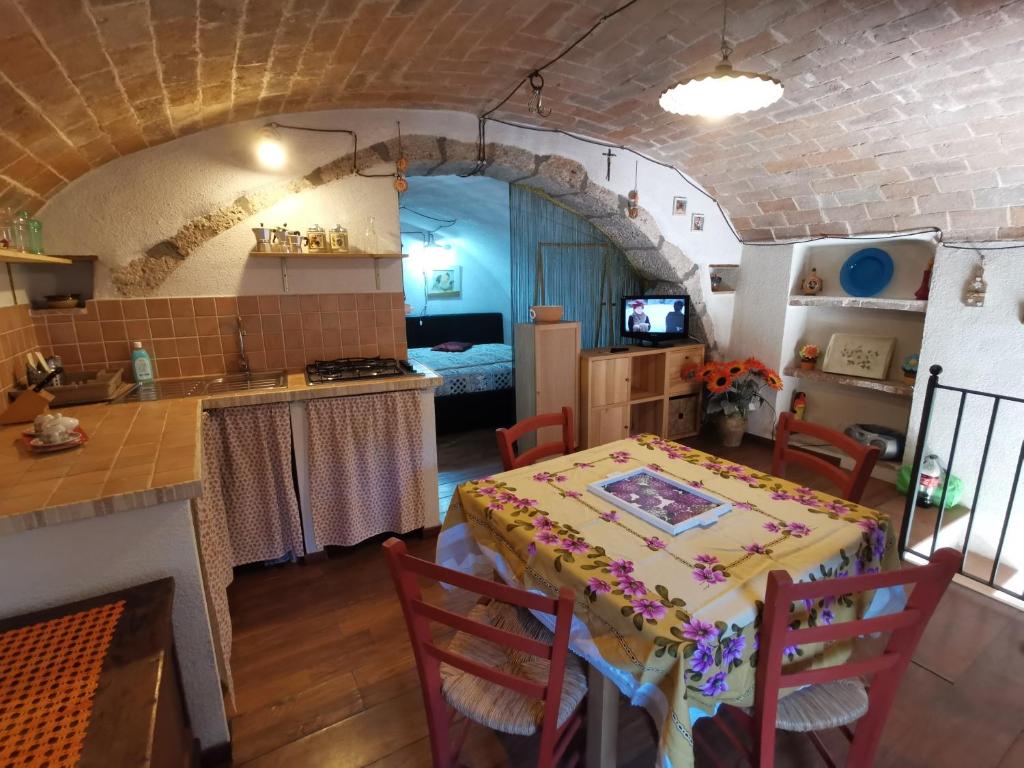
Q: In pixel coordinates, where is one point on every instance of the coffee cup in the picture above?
(54, 433)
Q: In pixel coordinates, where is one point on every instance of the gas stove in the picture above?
(350, 368)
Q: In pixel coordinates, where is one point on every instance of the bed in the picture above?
(478, 390)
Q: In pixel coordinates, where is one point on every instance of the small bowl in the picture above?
(63, 301)
(546, 313)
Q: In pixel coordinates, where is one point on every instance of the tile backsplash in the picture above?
(194, 336)
(18, 335)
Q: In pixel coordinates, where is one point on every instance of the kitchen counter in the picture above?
(138, 454)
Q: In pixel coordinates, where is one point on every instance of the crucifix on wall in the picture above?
(609, 154)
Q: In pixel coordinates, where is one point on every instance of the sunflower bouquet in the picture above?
(734, 387)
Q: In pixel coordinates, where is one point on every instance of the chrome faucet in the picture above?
(243, 363)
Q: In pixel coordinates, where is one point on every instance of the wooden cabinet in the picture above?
(638, 391)
(608, 383)
(547, 374)
(607, 424)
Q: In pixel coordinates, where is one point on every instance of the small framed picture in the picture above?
(678, 206)
(445, 282)
(697, 222)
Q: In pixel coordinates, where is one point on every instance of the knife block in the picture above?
(26, 407)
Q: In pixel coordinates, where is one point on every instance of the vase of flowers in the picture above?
(734, 389)
(809, 354)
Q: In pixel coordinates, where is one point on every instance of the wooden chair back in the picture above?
(886, 670)
(405, 570)
(851, 483)
(508, 437)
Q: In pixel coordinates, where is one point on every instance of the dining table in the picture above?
(670, 621)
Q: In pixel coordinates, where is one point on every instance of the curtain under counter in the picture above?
(366, 466)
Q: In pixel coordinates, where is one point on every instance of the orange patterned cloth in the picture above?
(48, 676)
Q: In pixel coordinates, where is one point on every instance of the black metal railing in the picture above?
(915, 479)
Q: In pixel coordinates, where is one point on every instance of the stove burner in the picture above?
(349, 368)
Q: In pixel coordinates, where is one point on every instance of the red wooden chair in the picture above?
(507, 438)
(502, 669)
(852, 483)
(835, 696)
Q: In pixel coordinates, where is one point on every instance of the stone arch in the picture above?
(560, 178)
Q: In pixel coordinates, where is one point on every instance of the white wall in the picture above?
(979, 348)
(478, 243)
(123, 208)
(759, 322)
(59, 564)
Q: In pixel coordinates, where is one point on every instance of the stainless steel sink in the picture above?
(206, 385)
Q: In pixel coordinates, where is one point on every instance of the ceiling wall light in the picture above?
(270, 150)
(724, 92)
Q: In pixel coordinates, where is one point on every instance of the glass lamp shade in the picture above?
(270, 151)
(721, 93)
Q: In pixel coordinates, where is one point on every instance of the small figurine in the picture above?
(716, 281)
(633, 204)
(799, 405)
(633, 198)
(926, 282)
(909, 367)
(812, 284)
(974, 294)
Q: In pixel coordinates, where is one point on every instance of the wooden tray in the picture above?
(82, 387)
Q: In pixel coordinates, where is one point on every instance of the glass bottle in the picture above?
(370, 240)
(19, 234)
(5, 228)
(35, 236)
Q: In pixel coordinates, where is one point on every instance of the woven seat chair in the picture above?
(502, 669)
(508, 437)
(851, 484)
(837, 696)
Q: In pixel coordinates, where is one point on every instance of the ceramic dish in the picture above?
(63, 301)
(866, 273)
(35, 444)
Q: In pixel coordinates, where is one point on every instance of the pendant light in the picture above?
(721, 93)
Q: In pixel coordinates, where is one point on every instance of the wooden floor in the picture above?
(325, 677)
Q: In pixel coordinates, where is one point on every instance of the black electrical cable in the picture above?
(481, 161)
(355, 147)
(565, 51)
(481, 154)
(445, 221)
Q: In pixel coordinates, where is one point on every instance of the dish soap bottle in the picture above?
(142, 366)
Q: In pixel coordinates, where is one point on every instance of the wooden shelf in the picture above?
(20, 257)
(718, 293)
(887, 386)
(860, 302)
(355, 255)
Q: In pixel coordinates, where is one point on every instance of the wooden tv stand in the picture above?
(638, 391)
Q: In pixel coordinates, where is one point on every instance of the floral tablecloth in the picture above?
(671, 620)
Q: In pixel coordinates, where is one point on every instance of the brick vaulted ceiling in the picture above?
(898, 114)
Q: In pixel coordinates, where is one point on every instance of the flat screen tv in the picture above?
(655, 318)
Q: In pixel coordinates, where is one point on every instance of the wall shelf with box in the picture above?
(638, 391)
(31, 276)
(890, 275)
(724, 277)
(888, 386)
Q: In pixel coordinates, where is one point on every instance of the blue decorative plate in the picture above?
(866, 273)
